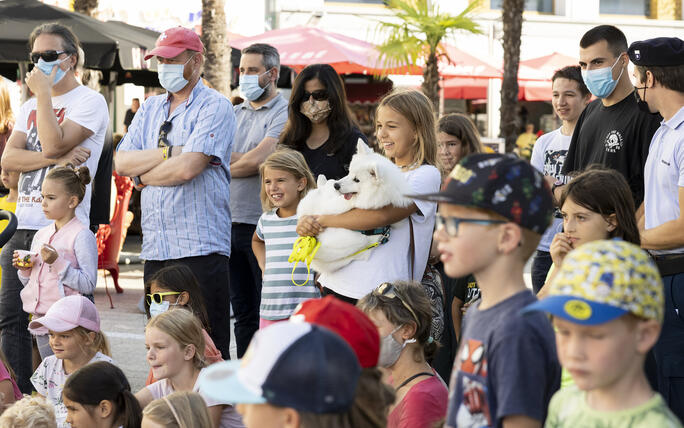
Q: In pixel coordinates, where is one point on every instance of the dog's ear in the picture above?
(374, 171)
(362, 148)
(321, 181)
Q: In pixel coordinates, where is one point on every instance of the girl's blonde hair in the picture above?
(100, 342)
(183, 409)
(417, 109)
(184, 328)
(287, 160)
(6, 115)
(29, 412)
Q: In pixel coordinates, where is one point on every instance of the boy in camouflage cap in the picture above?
(607, 308)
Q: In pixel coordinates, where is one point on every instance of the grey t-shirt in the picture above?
(506, 365)
(252, 127)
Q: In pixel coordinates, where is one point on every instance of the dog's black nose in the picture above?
(337, 186)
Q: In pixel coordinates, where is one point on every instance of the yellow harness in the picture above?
(305, 249)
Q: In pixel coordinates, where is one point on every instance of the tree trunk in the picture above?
(85, 7)
(512, 27)
(217, 64)
(430, 84)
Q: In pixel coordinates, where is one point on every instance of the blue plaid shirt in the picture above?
(193, 218)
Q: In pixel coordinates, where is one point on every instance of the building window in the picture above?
(625, 7)
(544, 6)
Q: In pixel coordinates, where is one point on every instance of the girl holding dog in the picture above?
(285, 180)
(320, 125)
(405, 128)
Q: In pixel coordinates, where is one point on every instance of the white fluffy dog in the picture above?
(373, 182)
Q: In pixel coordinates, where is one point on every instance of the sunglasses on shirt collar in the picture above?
(47, 56)
(164, 130)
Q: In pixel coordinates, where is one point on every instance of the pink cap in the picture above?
(68, 313)
(174, 41)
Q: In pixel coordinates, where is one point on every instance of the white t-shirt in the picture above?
(664, 175)
(548, 156)
(81, 105)
(390, 261)
(49, 379)
(230, 418)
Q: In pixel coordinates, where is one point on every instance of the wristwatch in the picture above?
(138, 182)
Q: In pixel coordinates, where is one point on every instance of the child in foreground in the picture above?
(285, 180)
(607, 308)
(29, 412)
(182, 409)
(76, 340)
(63, 259)
(492, 212)
(176, 287)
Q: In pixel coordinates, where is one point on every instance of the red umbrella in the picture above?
(302, 46)
(457, 63)
(542, 68)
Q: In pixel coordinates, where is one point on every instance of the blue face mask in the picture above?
(171, 76)
(249, 86)
(600, 81)
(47, 67)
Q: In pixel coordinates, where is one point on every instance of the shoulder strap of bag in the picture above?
(412, 249)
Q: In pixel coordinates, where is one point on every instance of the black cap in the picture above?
(504, 184)
(659, 52)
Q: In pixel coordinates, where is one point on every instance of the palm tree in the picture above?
(512, 17)
(85, 7)
(217, 65)
(417, 38)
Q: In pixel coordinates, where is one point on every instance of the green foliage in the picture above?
(420, 31)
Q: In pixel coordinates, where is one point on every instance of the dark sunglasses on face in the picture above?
(47, 56)
(450, 224)
(159, 297)
(164, 130)
(318, 95)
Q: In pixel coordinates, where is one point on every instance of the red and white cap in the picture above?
(68, 313)
(174, 41)
(299, 365)
(346, 320)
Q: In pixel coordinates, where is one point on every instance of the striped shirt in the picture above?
(279, 296)
(191, 219)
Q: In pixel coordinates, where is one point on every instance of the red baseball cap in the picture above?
(346, 320)
(175, 40)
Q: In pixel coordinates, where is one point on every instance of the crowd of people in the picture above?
(435, 327)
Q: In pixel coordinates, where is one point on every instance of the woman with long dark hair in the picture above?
(320, 124)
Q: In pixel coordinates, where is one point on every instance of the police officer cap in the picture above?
(659, 52)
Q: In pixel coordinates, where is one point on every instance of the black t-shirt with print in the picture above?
(332, 166)
(618, 137)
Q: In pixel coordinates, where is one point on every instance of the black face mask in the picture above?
(642, 104)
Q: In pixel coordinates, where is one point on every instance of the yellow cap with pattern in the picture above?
(603, 280)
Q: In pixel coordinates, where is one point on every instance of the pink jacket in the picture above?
(44, 286)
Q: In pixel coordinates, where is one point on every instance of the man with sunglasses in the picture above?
(611, 130)
(260, 120)
(177, 151)
(659, 74)
(65, 122)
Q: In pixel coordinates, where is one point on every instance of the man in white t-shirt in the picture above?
(569, 97)
(64, 123)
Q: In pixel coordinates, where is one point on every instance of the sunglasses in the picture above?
(164, 130)
(318, 95)
(159, 297)
(450, 224)
(387, 289)
(47, 56)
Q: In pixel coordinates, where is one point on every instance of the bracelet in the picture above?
(165, 153)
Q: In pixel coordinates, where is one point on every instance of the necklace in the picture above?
(413, 377)
(408, 167)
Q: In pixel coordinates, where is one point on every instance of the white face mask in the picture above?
(160, 308)
(171, 76)
(390, 349)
